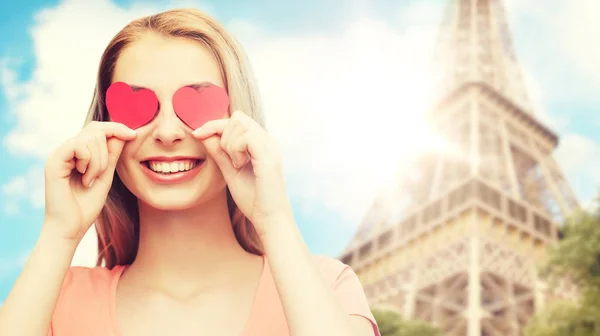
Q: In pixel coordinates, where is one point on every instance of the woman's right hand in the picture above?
(78, 176)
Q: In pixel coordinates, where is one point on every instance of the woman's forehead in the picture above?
(165, 64)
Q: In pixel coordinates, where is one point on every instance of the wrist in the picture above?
(53, 236)
(282, 231)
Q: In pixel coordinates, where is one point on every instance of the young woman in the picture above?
(196, 234)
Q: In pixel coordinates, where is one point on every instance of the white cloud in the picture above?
(574, 76)
(347, 108)
(578, 28)
(421, 15)
(578, 157)
(15, 187)
(22, 259)
(518, 8)
(579, 153)
(68, 44)
(564, 29)
(346, 105)
(6, 265)
(28, 187)
(337, 111)
(536, 98)
(10, 208)
(10, 264)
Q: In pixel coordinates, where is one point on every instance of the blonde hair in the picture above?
(118, 224)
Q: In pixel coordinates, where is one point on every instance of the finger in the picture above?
(259, 145)
(82, 155)
(114, 129)
(246, 120)
(238, 150)
(226, 133)
(114, 147)
(232, 129)
(213, 148)
(210, 128)
(101, 140)
(236, 145)
(94, 165)
(61, 161)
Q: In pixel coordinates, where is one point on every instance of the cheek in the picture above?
(125, 174)
(213, 170)
(211, 181)
(127, 164)
(121, 169)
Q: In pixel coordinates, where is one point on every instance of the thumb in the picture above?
(115, 147)
(221, 158)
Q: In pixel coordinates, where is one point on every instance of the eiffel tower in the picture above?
(482, 211)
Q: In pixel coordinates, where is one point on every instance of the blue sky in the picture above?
(47, 63)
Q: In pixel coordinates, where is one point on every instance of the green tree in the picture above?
(577, 257)
(393, 324)
(562, 318)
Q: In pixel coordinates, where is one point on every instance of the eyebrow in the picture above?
(197, 86)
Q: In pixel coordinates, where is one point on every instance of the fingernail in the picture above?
(91, 183)
(199, 133)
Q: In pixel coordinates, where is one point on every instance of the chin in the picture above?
(171, 198)
(171, 204)
(181, 197)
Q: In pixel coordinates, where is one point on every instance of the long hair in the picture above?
(118, 224)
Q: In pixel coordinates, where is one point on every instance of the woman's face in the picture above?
(165, 166)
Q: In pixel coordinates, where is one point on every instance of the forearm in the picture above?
(309, 303)
(29, 306)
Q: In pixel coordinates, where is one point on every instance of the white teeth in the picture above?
(171, 167)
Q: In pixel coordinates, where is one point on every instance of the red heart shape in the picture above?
(197, 106)
(133, 109)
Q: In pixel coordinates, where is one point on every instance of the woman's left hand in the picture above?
(251, 166)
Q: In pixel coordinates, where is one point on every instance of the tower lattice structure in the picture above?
(481, 212)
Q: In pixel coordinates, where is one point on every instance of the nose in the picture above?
(169, 128)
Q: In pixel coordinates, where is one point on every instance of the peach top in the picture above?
(86, 305)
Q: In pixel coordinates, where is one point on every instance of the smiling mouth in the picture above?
(171, 167)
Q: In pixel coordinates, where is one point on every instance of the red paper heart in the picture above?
(197, 106)
(133, 109)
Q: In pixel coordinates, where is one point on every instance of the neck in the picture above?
(188, 245)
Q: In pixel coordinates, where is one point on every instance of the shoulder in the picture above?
(329, 263)
(80, 280)
(85, 298)
(330, 268)
(347, 288)
(92, 274)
